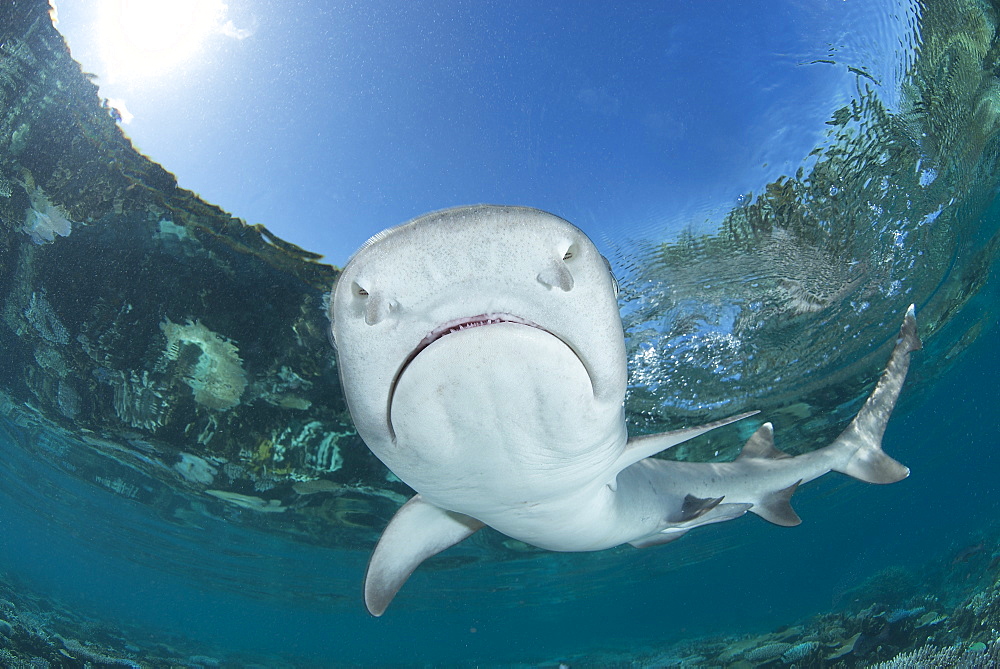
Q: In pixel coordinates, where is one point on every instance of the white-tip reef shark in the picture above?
(483, 360)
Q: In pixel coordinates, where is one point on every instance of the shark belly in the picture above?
(500, 423)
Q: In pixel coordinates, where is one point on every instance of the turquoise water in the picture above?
(217, 589)
(147, 521)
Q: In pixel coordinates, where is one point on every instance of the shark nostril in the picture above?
(378, 308)
(557, 275)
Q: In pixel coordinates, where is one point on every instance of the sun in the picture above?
(141, 39)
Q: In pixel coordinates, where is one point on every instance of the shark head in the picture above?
(470, 267)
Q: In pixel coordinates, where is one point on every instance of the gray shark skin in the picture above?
(483, 361)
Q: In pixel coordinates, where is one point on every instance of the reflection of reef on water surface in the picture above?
(148, 323)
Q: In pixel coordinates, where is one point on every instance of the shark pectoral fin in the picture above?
(777, 508)
(658, 538)
(694, 507)
(640, 448)
(418, 531)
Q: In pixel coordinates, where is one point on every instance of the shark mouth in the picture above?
(460, 324)
(443, 330)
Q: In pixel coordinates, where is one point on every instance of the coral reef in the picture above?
(40, 315)
(907, 621)
(137, 314)
(960, 656)
(40, 632)
(138, 402)
(216, 377)
(43, 220)
(196, 469)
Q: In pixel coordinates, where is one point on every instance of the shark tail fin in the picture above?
(418, 531)
(861, 441)
(874, 466)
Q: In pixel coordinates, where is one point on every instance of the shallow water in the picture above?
(142, 522)
(218, 589)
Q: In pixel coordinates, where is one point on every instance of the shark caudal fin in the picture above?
(418, 531)
(862, 440)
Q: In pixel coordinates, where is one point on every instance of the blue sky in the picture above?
(329, 121)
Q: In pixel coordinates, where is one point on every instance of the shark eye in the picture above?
(359, 291)
(568, 255)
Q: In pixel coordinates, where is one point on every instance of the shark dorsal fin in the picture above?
(777, 508)
(640, 448)
(761, 446)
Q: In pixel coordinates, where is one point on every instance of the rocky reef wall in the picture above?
(156, 328)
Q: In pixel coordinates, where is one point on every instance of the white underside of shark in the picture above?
(483, 360)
